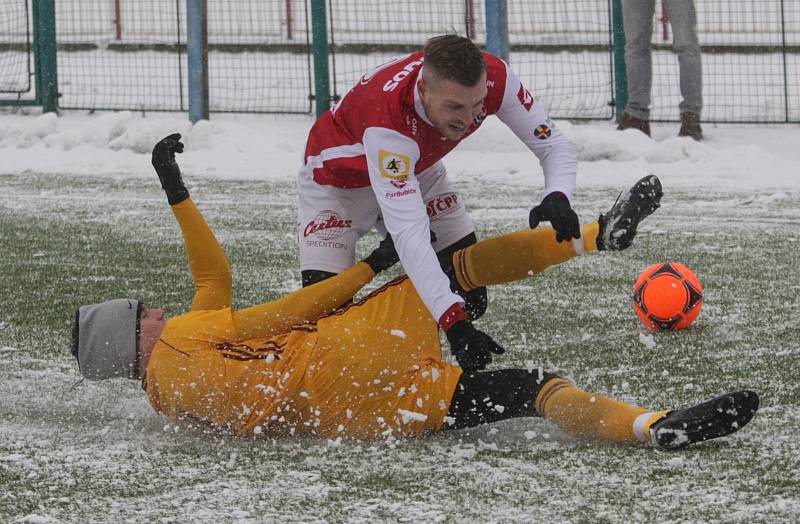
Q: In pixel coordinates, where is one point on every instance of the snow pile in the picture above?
(241, 146)
(734, 157)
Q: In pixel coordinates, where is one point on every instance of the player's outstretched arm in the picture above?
(209, 266)
(310, 303)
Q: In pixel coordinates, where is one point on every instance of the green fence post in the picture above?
(44, 44)
(319, 34)
(620, 73)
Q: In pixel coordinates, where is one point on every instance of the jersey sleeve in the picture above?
(307, 304)
(529, 120)
(391, 158)
(213, 283)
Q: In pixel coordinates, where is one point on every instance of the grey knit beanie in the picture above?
(107, 338)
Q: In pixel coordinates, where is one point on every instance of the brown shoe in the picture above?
(690, 126)
(631, 122)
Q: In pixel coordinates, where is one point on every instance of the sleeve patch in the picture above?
(542, 132)
(394, 166)
(525, 98)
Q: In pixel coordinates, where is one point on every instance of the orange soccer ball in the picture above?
(667, 295)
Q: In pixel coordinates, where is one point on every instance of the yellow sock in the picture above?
(589, 415)
(518, 255)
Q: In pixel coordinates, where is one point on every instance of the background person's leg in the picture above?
(638, 21)
(683, 19)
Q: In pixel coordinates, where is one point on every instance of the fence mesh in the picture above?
(130, 54)
(259, 56)
(366, 33)
(562, 53)
(15, 47)
(121, 54)
(750, 62)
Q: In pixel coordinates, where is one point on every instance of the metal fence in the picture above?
(367, 33)
(121, 55)
(751, 62)
(564, 53)
(16, 68)
(130, 54)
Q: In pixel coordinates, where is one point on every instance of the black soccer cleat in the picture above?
(618, 226)
(711, 419)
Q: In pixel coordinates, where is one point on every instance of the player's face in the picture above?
(452, 107)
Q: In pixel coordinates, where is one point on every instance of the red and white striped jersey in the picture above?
(379, 135)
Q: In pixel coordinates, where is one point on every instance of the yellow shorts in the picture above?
(377, 369)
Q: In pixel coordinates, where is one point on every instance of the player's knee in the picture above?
(478, 393)
(312, 276)
(525, 387)
(543, 378)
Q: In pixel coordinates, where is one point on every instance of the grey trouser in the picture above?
(637, 16)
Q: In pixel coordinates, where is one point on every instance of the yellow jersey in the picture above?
(301, 364)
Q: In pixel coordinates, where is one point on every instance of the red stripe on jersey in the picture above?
(345, 172)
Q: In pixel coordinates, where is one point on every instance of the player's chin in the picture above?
(454, 131)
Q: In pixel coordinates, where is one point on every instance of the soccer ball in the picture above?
(667, 296)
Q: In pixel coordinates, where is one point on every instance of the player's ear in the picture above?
(428, 81)
(422, 85)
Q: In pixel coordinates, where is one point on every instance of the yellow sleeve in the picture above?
(304, 305)
(212, 274)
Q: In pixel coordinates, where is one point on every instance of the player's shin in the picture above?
(593, 416)
(518, 255)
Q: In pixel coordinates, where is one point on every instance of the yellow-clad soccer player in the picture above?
(314, 363)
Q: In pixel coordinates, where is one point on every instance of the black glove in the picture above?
(555, 209)
(168, 171)
(472, 348)
(384, 256)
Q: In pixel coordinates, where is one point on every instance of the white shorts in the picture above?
(332, 219)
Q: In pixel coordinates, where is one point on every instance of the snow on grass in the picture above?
(83, 221)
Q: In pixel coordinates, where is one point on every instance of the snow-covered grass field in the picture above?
(82, 219)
